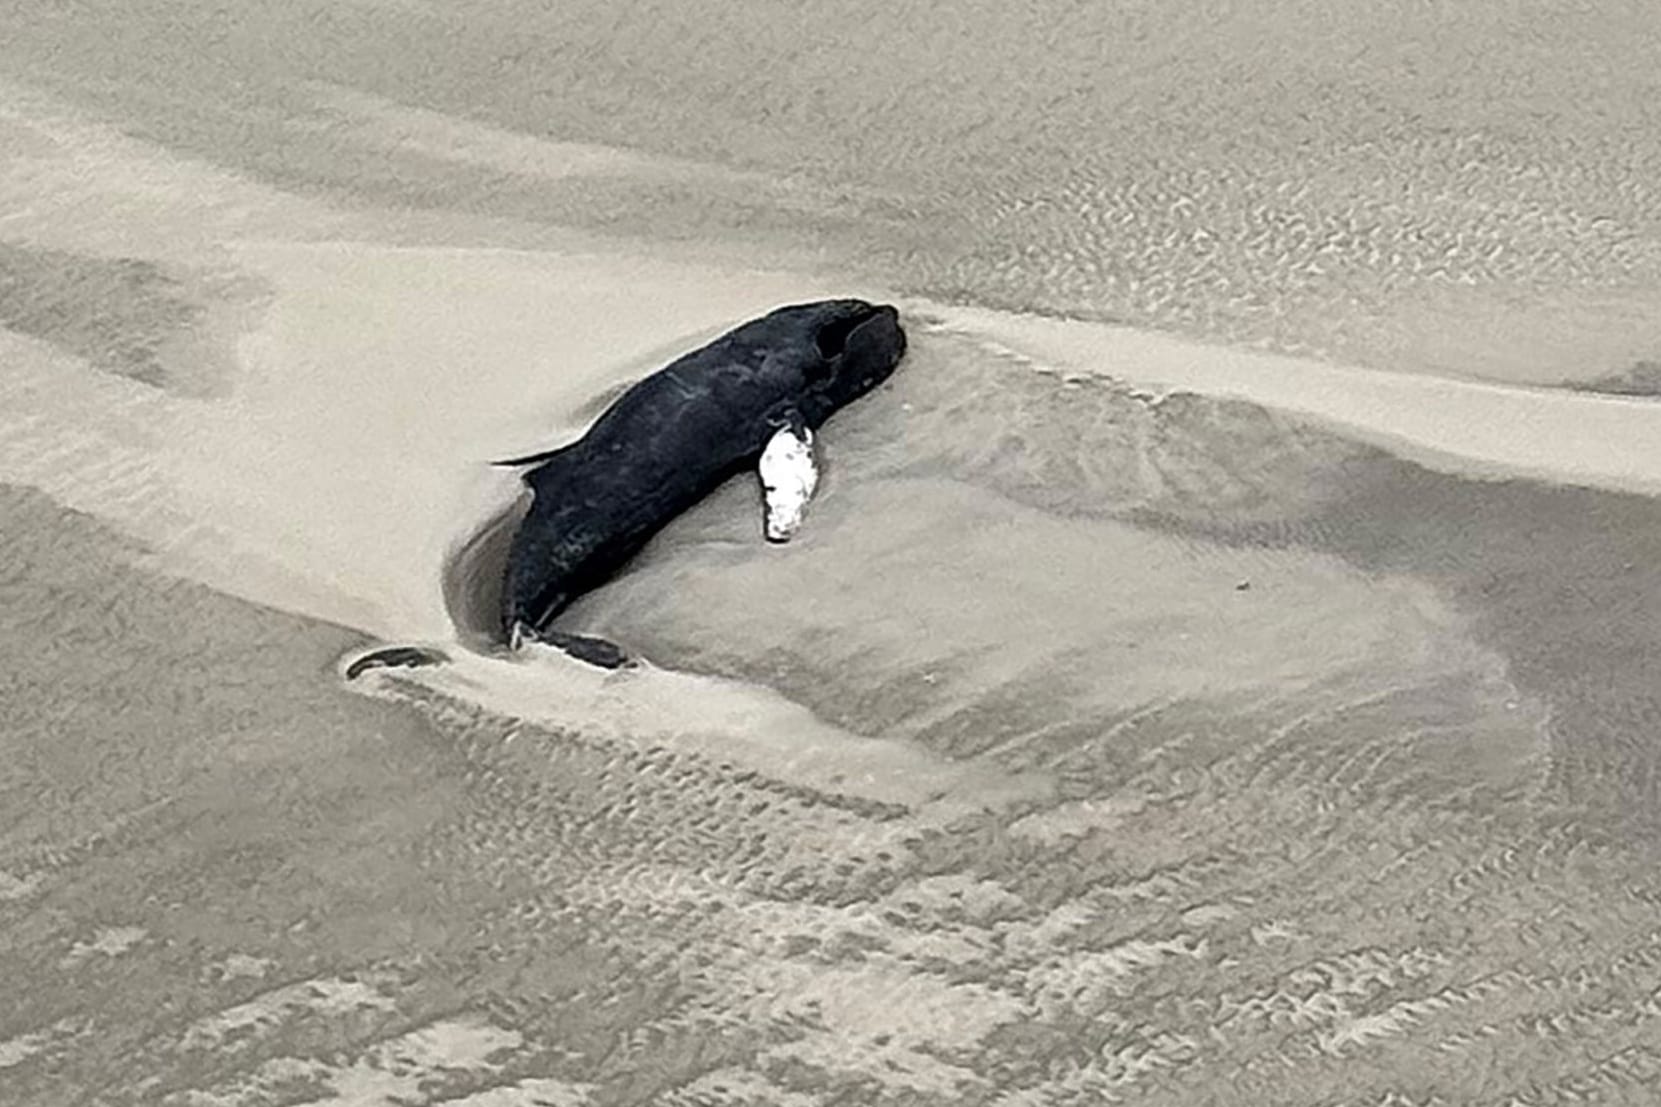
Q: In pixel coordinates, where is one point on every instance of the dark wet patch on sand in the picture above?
(1564, 583)
(134, 317)
(1642, 379)
(134, 695)
(181, 768)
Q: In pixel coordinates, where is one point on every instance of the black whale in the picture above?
(670, 440)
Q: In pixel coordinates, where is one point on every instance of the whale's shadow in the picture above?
(473, 574)
(472, 580)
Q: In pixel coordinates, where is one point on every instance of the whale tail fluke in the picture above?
(395, 657)
(584, 647)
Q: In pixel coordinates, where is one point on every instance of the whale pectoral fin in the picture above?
(789, 476)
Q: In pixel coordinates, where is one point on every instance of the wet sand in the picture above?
(1435, 188)
(1136, 719)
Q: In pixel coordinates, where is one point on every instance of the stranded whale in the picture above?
(750, 399)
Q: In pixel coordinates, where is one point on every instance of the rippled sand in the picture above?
(1458, 187)
(1134, 720)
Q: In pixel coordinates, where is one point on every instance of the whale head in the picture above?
(847, 348)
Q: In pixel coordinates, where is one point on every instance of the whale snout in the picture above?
(874, 348)
(878, 340)
(860, 344)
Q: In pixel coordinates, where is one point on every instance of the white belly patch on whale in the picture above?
(789, 475)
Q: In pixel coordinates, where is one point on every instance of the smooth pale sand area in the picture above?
(1220, 666)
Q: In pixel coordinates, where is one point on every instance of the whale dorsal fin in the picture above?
(531, 459)
(789, 476)
(547, 470)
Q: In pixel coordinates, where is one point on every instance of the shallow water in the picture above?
(1092, 741)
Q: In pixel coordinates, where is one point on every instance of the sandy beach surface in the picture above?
(1222, 666)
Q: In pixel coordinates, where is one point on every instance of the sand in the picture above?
(1150, 710)
(1592, 437)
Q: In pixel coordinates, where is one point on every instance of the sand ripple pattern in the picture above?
(1351, 786)
(1345, 836)
(1440, 185)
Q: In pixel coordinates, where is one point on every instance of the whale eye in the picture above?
(832, 338)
